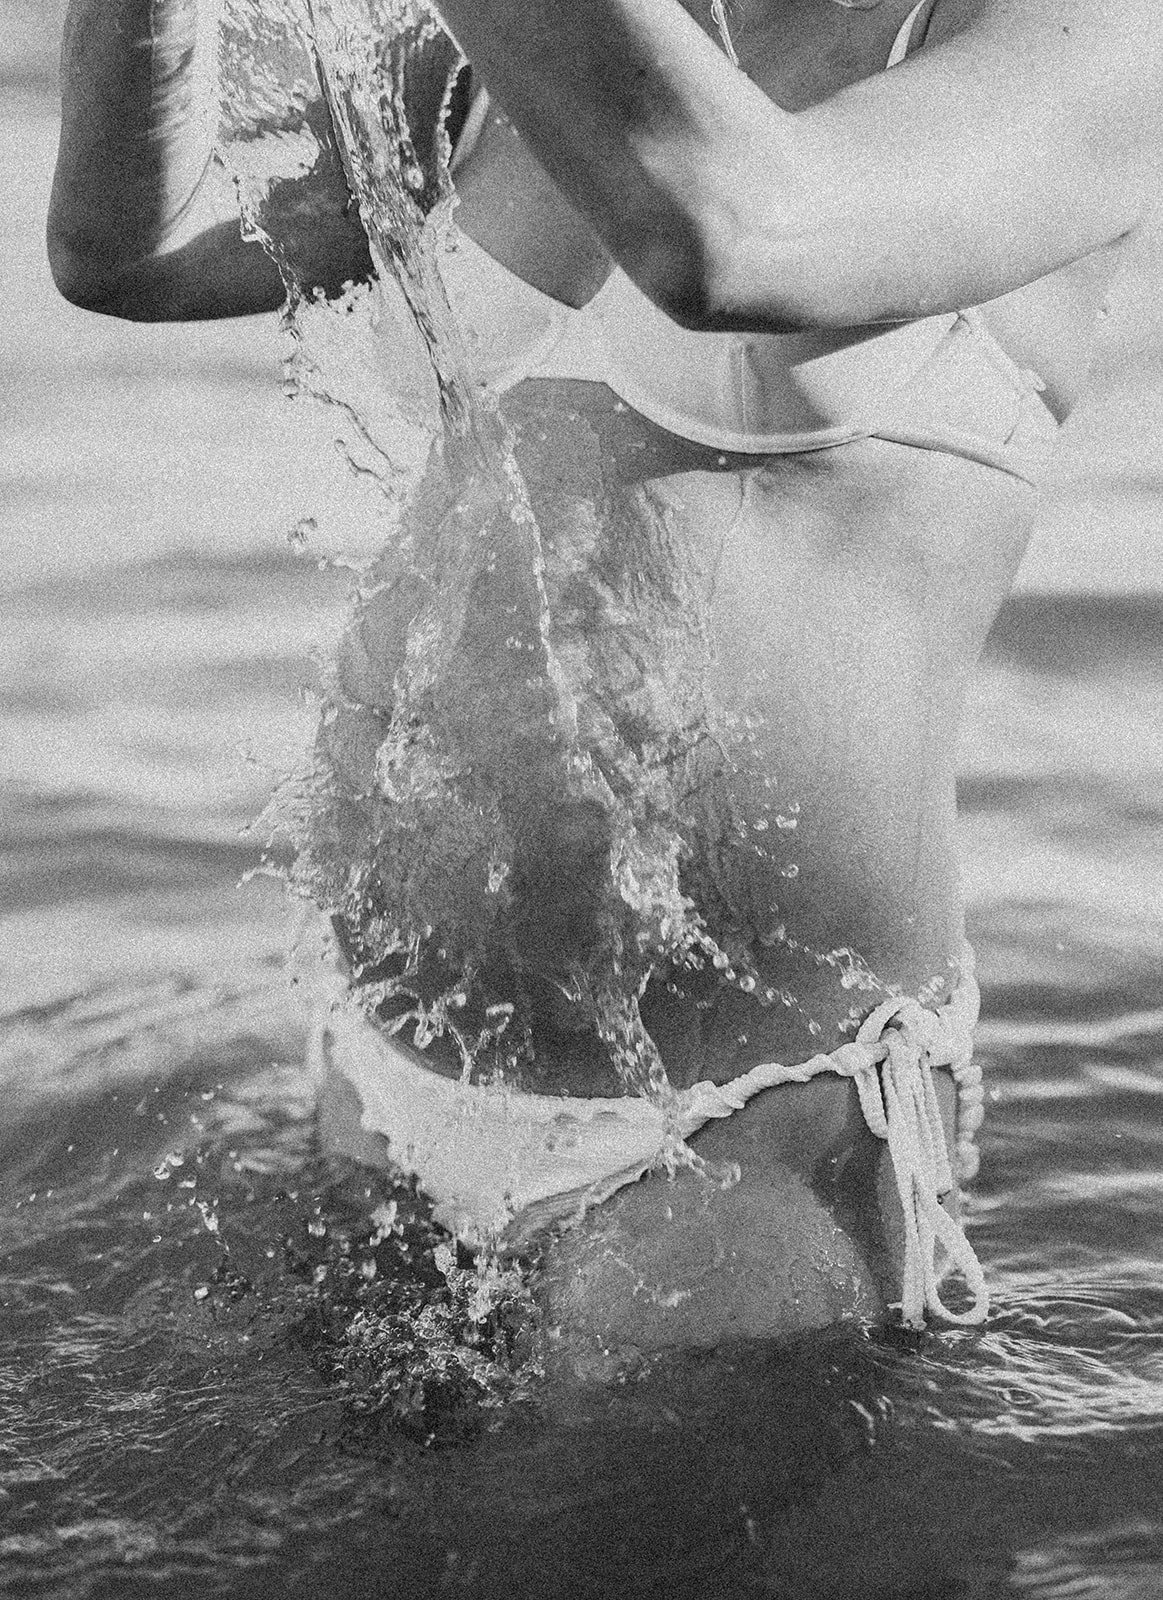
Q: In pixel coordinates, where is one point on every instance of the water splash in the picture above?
(477, 753)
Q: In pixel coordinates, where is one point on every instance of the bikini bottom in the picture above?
(500, 1165)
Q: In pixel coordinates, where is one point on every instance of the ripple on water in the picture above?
(1109, 1563)
(230, 1369)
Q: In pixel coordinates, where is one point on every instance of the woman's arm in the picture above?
(143, 222)
(1029, 135)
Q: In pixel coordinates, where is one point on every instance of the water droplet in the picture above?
(384, 1217)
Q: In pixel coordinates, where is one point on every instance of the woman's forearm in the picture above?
(636, 113)
(947, 183)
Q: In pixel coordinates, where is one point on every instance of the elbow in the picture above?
(81, 281)
(688, 295)
(109, 294)
(705, 298)
(709, 277)
(90, 280)
(86, 295)
(72, 281)
(674, 274)
(671, 254)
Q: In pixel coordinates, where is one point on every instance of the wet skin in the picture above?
(844, 598)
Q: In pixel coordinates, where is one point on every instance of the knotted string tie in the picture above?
(891, 1062)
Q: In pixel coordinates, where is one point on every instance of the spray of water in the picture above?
(482, 759)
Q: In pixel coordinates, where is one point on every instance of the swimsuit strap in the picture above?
(891, 1063)
(900, 47)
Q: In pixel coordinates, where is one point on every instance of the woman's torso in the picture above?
(820, 611)
(852, 587)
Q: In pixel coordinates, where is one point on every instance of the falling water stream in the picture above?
(460, 717)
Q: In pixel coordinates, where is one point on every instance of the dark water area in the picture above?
(227, 1367)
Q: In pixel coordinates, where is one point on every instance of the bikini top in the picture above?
(940, 383)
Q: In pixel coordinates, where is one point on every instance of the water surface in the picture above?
(204, 1386)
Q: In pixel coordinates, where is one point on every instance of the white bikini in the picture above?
(501, 1164)
(941, 383)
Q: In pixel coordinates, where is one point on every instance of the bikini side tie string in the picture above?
(899, 1102)
(491, 1157)
(891, 1062)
